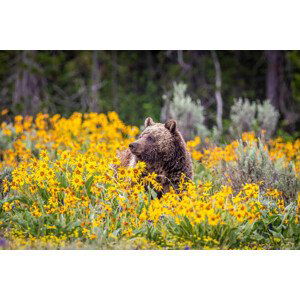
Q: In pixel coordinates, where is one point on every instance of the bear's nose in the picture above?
(133, 146)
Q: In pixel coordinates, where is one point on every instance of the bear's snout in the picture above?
(133, 146)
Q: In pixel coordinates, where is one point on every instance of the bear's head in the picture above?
(158, 142)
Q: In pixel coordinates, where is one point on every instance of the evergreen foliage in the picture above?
(132, 82)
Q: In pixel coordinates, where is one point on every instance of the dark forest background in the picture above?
(132, 83)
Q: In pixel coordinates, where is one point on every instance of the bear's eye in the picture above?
(150, 138)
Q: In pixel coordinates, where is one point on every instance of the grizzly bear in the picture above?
(163, 149)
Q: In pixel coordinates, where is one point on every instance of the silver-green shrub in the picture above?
(267, 117)
(188, 113)
(255, 116)
(242, 117)
(254, 165)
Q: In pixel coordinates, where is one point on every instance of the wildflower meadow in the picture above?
(62, 187)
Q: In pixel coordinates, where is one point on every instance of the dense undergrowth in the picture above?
(61, 188)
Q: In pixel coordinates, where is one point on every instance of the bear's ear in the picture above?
(171, 125)
(149, 122)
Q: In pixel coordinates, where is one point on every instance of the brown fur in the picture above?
(163, 149)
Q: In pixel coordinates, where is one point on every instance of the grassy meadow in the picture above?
(61, 188)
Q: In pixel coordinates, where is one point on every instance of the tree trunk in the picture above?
(28, 84)
(218, 86)
(95, 85)
(272, 77)
(277, 87)
(185, 67)
(114, 80)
